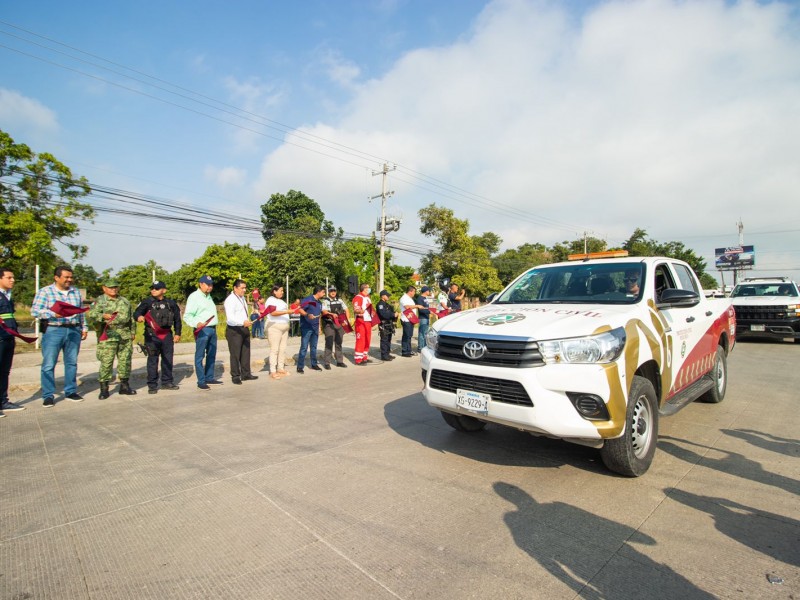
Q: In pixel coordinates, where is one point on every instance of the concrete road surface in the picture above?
(345, 484)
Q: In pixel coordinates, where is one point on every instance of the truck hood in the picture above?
(536, 321)
(765, 300)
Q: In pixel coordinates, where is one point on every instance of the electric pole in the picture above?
(383, 226)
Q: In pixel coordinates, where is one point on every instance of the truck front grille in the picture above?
(514, 353)
(501, 390)
(762, 313)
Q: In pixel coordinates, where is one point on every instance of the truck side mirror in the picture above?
(491, 296)
(675, 298)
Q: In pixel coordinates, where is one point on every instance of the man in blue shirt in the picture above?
(310, 311)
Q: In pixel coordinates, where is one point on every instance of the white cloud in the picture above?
(679, 117)
(340, 70)
(256, 98)
(23, 112)
(225, 176)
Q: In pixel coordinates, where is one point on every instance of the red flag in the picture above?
(267, 310)
(412, 318)
(62, 309)
(440, 313)
(344, 322)
(15, 333)
(201, 326)
(161, 332)
(104, 336)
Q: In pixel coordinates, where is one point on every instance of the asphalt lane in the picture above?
(345, 484)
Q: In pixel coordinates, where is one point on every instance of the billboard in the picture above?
(734, 257)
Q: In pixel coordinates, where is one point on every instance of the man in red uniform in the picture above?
(365, 319)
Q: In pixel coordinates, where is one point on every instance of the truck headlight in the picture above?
(432, 339)
(602, 348)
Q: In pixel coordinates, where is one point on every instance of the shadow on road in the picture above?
(779, 445)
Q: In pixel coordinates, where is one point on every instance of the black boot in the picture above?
(125, 388)
(103, 391)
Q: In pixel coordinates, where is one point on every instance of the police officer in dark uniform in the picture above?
(162, 330)
(387, 315)
(332, 307)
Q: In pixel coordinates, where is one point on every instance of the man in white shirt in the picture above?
(408, 318)
(237, 333)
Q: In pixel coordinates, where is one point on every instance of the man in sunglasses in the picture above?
(632, 282)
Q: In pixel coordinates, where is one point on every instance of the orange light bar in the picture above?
(606, 254)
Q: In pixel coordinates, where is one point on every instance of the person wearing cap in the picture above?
(162, 330)
(387, 316)
(111, 316)
(424, 299)
(310, 313)
(332, 307)
(201, 315)
(408, 314)
(60, 334)
(237, 333)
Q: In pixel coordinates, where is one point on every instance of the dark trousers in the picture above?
(239, 347)
(164, 349)
(386, 340)
(6, 358)
(333, 343)
(408, 334)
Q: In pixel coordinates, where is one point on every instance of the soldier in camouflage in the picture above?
(111, 316)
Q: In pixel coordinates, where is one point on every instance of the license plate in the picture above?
(758, 328)
(473, 401)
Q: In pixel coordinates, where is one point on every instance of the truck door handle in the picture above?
(709, 313)
(689, 319)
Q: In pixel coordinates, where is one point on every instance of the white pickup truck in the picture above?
(591, 351)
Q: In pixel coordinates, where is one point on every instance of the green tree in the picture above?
(561, 252)
(290, 212)
(708, 282)
(355, 257)
(135, 280)
(512, 262)
(39, 207)
(86, 277)
(640, 244)
(459, 256)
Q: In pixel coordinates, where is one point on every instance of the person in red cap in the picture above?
(60, 333)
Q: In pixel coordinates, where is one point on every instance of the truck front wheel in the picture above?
(463, 422)
(632, 453)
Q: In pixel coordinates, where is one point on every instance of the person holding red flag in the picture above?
(112, 317)
(59, 307)
(365, 320)
(8, 339)
(201, 315)
(162, 330)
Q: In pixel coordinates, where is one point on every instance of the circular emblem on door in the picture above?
(500, 319)
(473, 350)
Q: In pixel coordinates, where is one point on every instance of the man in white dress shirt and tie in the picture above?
(238, 333)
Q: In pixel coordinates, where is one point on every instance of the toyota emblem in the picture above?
(474, 350)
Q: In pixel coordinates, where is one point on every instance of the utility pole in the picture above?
(737, 273)
(394, 225)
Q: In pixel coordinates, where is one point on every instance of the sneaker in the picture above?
(342, 365)
(214, 382)
(75, 397)
(11, 406)
(49, 401)
(1, 414)
(315, 368)
(169, 386)
(203, 386)
(249, 377)
(152, 390)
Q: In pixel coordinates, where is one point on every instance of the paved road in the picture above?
(345, 484)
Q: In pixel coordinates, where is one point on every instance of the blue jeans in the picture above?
(423, 329)
(205, 347)
(54, 340)
(408, 334)
(308, 339)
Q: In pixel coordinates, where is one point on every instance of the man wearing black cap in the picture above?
(332, 307)
(387, 316)
(162, 330)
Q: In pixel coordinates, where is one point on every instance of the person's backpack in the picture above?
(162, 314)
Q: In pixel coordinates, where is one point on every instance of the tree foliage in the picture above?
(462, 258)
(514, 261)
(135, 280)
(640, 244)
(293, 212)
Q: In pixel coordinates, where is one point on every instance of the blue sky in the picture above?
(536, 120)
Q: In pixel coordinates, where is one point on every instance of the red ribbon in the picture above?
(201, 326)
(344, 322)
(63, 309)
(104, 336)
(160, 332)
(15, 333)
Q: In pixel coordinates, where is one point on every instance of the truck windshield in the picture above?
(764, 289)
(579, 283)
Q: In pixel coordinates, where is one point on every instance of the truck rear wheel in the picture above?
(719, 373)
(632, 453)
(463, 422)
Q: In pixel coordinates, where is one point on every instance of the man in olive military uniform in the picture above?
(387, 315)
(162, 330)
(112, 318)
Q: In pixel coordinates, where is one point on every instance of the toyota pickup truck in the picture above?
(591, 351)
